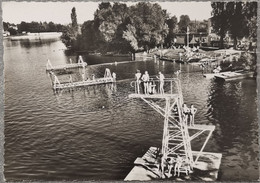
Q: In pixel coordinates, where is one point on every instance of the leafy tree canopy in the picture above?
(235, 18)
(183, 23)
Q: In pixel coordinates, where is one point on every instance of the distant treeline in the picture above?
(32, 27)
(117, 27)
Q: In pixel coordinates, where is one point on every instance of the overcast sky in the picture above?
(59, 12)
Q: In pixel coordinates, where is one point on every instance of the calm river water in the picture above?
(96, 133)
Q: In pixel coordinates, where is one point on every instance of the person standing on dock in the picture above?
(186, 112)
(161, 82)
(93, 77)
(203, 66)
(83, 76)
(146, 79)
(114, 76)
(154, 57)
(193, 110)
(177, 166)
(138, 80)
(170, 165)
(178, 73)
(70, 79)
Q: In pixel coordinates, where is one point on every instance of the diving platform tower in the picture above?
(176, 151)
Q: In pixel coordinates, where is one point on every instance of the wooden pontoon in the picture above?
(108, 78)
(147, 168)
(227, 76)
(81, 63)
(83, 83)
(212, 75)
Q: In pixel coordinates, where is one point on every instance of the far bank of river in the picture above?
(40, 35)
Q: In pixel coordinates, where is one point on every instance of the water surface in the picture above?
(96, 133)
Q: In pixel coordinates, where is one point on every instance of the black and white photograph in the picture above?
(130, 91)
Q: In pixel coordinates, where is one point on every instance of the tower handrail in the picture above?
(174, 88)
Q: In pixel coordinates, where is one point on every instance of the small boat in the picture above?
(166, 59)
(192, 60)
(212, 75)
(172, 60)
(207, 60)
(227, 76)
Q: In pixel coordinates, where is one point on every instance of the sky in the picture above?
(59, 12)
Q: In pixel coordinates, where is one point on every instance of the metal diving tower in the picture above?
(178, 131)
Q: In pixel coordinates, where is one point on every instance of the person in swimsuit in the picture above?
(186, 112)
(161, 81)
(138, 80)
(177, 166)
(193, 110)
(146, 79)
(114, 76)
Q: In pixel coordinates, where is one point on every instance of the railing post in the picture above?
(136, 87)
(171, 86)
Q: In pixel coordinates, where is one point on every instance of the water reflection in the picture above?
(28, 43)
(235, 125)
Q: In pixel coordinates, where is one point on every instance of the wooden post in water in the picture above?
(49, 65)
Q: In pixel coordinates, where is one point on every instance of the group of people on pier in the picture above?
(149, 86)
(171, 164)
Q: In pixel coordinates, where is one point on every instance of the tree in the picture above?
(237, 21)
(104, 5)
(183, 23)
(172, 24)
(23, 27)
(109, 22)
(74, 20)
(120, 28)
(12, 31)
(147, 27)
(52, 27)
(250, 11)
(70, 32)
(90, 38)
(130, 36)
(234, 17)
(68, 37)
(6, 25)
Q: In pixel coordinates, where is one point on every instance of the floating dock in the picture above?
(212, 75)
(147, 168)
(235, 75)
(229, 75)
(81, 63)
(57, 85)
(83, 83)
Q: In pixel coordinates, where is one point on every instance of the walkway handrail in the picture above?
(170, 85)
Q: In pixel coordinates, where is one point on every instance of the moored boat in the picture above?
(234, 75)
(212, 75)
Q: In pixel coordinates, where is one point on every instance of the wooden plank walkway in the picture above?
(146, 168)
(66, 66)
(202, 127)
(83, 83)
(135, 95)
